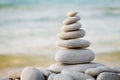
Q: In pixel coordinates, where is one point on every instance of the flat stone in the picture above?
(108, 76)
(71, 14)
(57, 68)
(71, 35)
(45, 71)
(30, 73)
(77, 75)
(73, 43)
(62, 77)
(74, 56)
(71, 20)
(71, 27)
(51, 76)
(98, 70)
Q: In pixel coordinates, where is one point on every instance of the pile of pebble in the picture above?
(74, 58)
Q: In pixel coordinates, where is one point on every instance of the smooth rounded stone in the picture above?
(30, 73)
(45, 71)
(117, 69)
(62, 77)
(108, 76)
(71, 14)
(98, 70)
(71, 20)
(77, 75)
(71, 27)
(74, 56)
(51, 76)
(71, 35)
(78, 67)
(73, 43)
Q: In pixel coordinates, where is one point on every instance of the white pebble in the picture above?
(73, 43)
(71, 14)
(31, 73)
(71, 35)
(71, 27)
(71, 20)
(74, 56)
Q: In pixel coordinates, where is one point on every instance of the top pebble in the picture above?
(71, 14)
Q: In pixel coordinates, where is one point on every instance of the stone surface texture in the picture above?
(30, 73)
(108, 76)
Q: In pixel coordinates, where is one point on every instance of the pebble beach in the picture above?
(81, 45)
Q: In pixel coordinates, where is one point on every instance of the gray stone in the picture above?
(117, 69)
(77, 75)
(71, 14)
(71, 20)
(108, 76)
(45, 71)
(73, 43)
(71, 27)
(74, 56)
(51, 76)
(72, 35)
(78, 67)
(30, 73)
(98, 70)
(62, 77)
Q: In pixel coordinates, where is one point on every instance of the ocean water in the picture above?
(31, 26)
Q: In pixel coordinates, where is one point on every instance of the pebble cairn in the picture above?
(74, 59)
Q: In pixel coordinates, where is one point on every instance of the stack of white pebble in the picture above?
(74, 59)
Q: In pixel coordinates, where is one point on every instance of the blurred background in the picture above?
(28, 30)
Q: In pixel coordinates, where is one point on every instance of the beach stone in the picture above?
(108, 76)
(30, 73)
(71, 35)
(45, 71)
(62, 77)
(98, 70)
(71, 20)
(73, 43)
(74, 56)
(71, 27)
(77, 75)
(71, 14)
(57, 68)
(51, 76)
(117, 69)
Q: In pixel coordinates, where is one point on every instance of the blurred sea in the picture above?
(30, 26)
